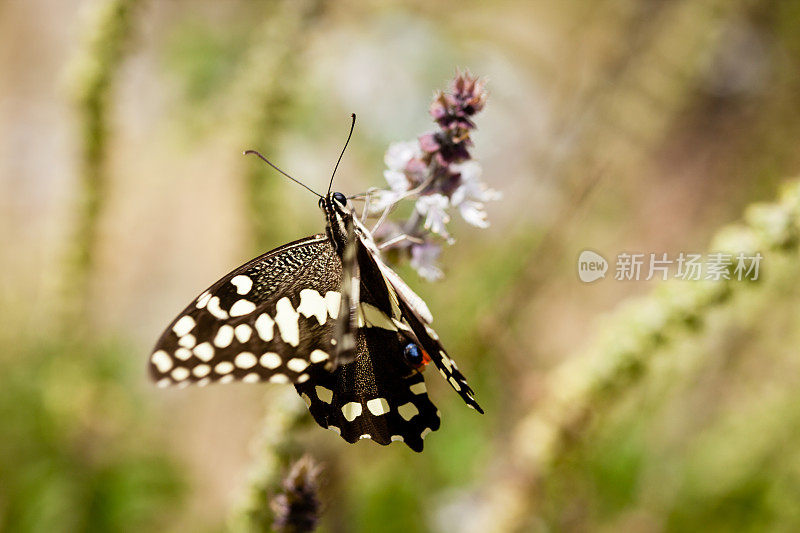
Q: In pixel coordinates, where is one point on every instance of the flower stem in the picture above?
(92, 74)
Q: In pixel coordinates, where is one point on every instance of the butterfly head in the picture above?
(338, 214)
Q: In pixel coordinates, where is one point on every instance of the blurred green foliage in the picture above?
(79, 452)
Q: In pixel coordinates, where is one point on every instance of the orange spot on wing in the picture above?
(425, 358)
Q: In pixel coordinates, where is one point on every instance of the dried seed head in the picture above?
(297, 507)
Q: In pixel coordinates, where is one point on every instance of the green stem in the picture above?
(577, 391)
(92, 73)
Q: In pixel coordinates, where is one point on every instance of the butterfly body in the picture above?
(326, 314)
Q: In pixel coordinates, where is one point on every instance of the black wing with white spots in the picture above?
(378, 396)
(405, 314)
(353, 339)
(268, 320)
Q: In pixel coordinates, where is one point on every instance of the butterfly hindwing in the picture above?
(376, 396)
(406, 312)
(268, 320)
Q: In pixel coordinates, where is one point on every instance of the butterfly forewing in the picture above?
(268, 320)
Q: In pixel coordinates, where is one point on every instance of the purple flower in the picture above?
(398, 158)
(472, 193)
(423, 260)
(434, 208)
(437, 172)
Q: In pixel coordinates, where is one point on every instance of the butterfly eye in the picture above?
(413, 354)
(339, 197)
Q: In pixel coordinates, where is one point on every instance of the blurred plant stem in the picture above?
(275, 450)
(264, 89)
(616, 139)
(78, 452)
(589, 384)
(92, 75)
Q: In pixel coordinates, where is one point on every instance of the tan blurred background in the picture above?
(613, 125)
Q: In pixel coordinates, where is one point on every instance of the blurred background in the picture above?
(614, 125)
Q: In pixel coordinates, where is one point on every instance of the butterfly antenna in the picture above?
(352, 125)
(267, 161)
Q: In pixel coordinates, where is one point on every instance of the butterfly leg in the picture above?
(398, 239)
(382, 218)
(365, 211)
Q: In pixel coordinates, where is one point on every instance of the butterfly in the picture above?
(326, 314)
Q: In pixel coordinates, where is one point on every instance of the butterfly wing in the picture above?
(269, 320)
(401, 305)
(377, 396)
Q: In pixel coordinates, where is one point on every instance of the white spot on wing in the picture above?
(396, 438)
(252, 377)
(180, 373)
(455, 384)
(162, 360)
(204, 351)
(297, 364)
(286, 318)
(214, 308)
(332, 301)
(242, 283)
(264, 326)
(324, 394)
(374, 317)
(270, 360)
(431, 332)
(446, 362)
(243, 332)
(418, 388)
(278, 378)
(245, 360)
(313, 304)
(183, 326)
(183, 354)
(408, 411)
(225, 367)
(318, 356)
(378, 406)
(224, 336)
(201, 370)
(202, 300)
(242, 307)
(351, 411)
(187, 341)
